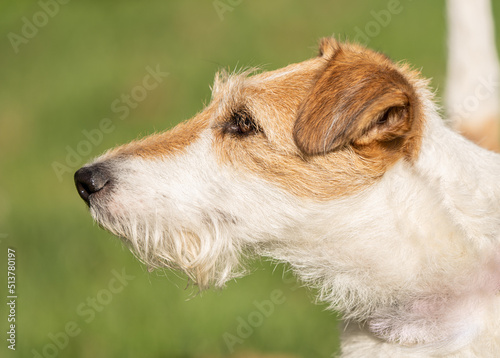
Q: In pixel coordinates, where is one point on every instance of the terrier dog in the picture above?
(340, 166)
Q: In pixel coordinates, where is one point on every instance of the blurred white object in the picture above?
(472, 89)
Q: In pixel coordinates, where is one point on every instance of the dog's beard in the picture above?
(204, 251)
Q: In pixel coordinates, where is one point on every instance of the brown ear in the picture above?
(359, 98)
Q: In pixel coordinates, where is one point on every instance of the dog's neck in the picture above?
(466, 211)
(466, 178)
(439, 220)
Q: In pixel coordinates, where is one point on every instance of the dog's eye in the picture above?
(241, 123)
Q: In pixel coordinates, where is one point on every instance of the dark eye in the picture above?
(241, 123)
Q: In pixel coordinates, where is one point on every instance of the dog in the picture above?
(340, 166)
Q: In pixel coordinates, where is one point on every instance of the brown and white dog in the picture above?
(340, 166)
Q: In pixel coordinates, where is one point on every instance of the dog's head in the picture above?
(238, 175)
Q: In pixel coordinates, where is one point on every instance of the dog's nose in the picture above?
(90, 180)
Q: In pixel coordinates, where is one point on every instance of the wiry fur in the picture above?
(399, 232)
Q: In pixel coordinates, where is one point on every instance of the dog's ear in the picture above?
(359, 98)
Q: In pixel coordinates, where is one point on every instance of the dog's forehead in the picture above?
(272, 97)
(285, 88)
(280, 92)
(291, 73)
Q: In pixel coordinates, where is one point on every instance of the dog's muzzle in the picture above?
(91, 180)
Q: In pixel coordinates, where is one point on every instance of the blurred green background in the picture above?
(60, 78)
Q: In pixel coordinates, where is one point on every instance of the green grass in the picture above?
(64, 81)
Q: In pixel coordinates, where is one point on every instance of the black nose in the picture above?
(90, 180)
